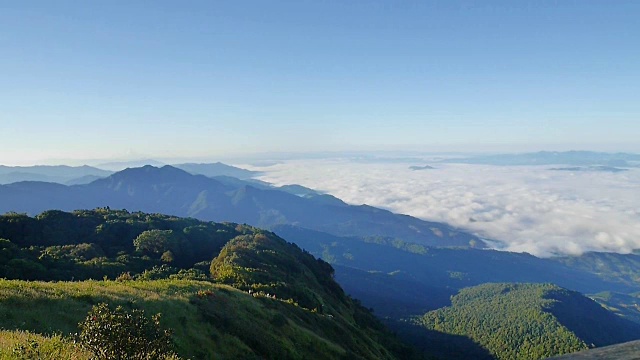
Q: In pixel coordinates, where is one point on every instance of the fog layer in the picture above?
(522, 208)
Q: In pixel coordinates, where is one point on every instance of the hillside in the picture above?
(624, 305)
(210, 321)
(529, 321)
(624, 268)
(281, 303)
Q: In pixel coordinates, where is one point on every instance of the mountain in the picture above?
(299, 190)
(265, 298)
(599, 168)
(622, 268)
(217, 169)
(58, 174)
(169, 190)
(529, 321)
(121, 165)
(425, 167)
(573, 158)
(83, 180)
(69, 175)
(236, 183)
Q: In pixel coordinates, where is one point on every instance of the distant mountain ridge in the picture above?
(79, 175)
(591, 168)
(173, 191)
(58, 173)
(573, 158)
(217, 169)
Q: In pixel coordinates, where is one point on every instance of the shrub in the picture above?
(125, 276)
(118, 334)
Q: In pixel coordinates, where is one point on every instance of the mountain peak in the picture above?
(150, 173)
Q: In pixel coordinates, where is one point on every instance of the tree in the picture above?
(167, 256)
(156, 242)
(118, 334)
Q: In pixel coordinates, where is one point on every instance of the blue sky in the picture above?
(209, 79)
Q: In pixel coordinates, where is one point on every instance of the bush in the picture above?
(125, 276)
(120, 334)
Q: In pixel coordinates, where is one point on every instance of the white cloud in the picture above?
(530, 209)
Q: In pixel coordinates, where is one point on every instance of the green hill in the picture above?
(228, 291)
(529, 321)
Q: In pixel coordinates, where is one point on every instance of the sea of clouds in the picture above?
(519, 208)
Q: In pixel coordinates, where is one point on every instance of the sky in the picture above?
(210, 79)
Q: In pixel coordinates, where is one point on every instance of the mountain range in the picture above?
(78, 175)
(169, 190)
(57, 174)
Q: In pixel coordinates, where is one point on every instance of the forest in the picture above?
(529, 321)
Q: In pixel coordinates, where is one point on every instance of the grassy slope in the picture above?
(25, 345)
(223, 324)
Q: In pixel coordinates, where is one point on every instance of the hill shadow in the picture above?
(592, 323)
(438, 345)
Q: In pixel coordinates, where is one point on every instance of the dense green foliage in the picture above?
(529, 321)
(121, 334)
(508, 319)
(265, 264)
(92, 244)
(286, 304)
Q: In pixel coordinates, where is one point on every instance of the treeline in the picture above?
(93, 244)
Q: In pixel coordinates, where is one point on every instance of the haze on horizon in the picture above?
(121, 80)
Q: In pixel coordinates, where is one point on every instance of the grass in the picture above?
(210, 321)
(26, 345)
